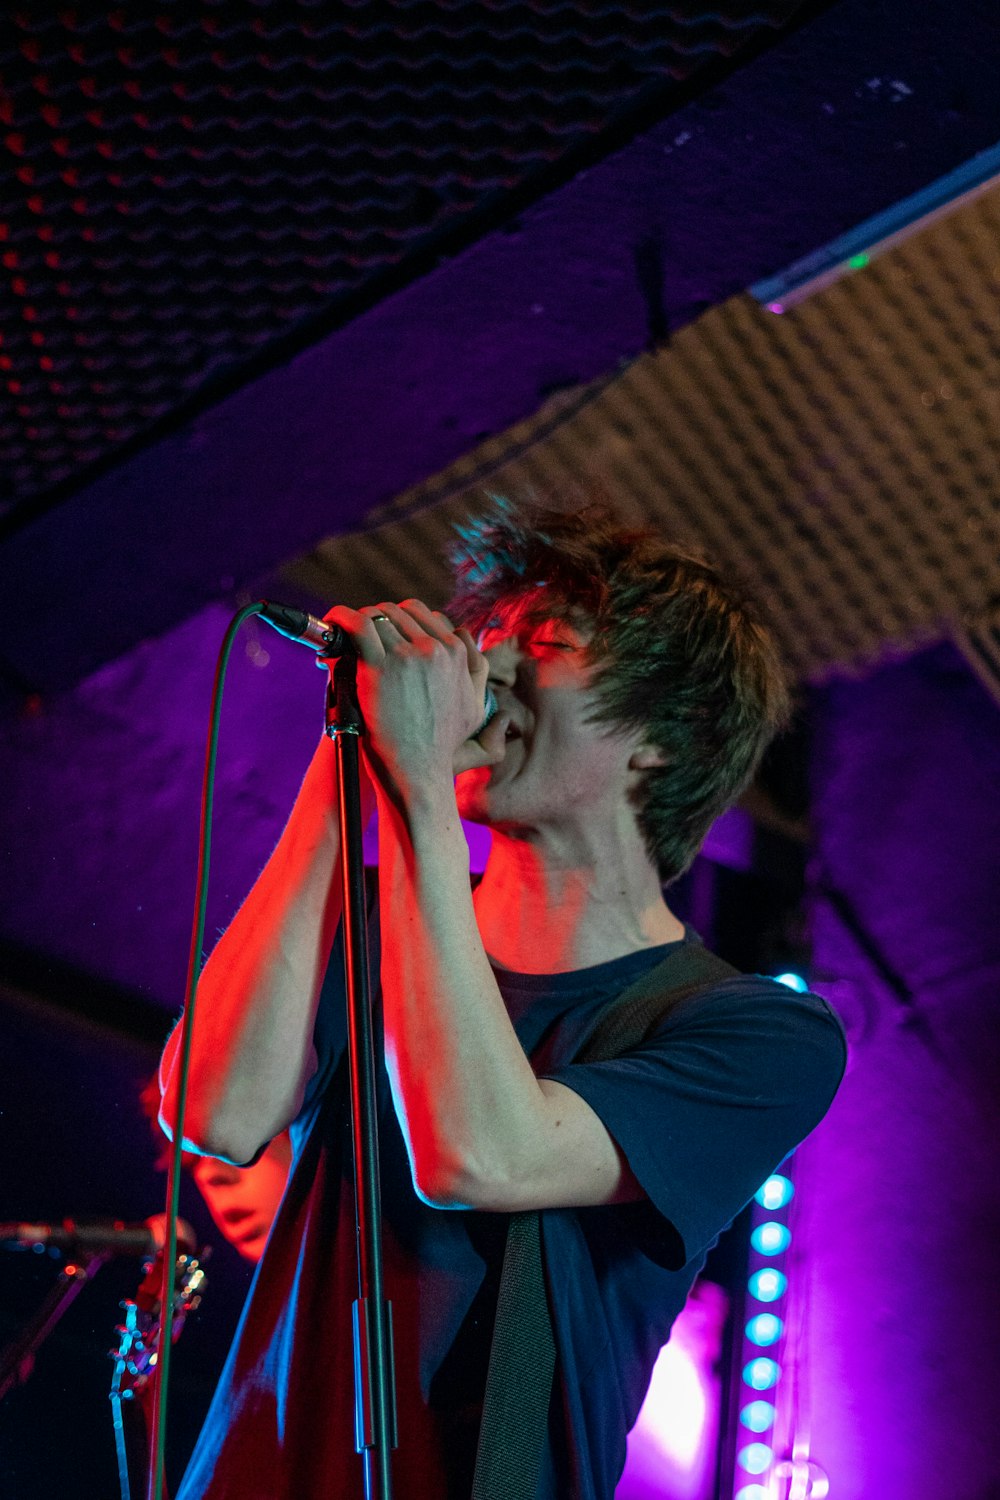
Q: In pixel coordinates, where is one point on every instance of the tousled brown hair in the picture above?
(680, 654)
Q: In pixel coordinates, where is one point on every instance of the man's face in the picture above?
(560, 768)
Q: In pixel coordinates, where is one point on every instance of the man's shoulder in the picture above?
(747, 1005)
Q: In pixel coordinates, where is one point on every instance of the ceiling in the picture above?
(844, 457)
(187, 184)
(268, 272)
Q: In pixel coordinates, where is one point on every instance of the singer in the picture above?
(636, 691)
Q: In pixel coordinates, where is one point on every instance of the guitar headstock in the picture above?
(139, 1335)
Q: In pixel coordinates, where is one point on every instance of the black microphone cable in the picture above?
(160, 1384)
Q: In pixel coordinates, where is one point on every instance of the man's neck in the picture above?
(539, 915)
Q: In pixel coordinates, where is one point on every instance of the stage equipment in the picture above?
(329, 641)
(135, 1358)
(87, 1245)
(18, 1360)
(96, 1236)
(374, 1376)
(375, 1404)
(769, 1446)
(299, 625)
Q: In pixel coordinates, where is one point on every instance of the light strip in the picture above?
(764, 1411)
(859, 246)
(763, 1339)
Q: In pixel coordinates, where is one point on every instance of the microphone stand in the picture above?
(374, 1375)
(18, 1358)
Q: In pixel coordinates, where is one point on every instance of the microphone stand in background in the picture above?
(18, 1359)
(86, 1246)
(374, 1374)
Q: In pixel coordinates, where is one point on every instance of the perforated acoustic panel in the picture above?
(844, 457)
(183, 184)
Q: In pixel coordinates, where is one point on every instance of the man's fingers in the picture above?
(487, 749)
(479, 667)
(431, 621)
(475, 655)
(393, 618)
(493, 738)
(411, 618)
(375, 628)
(357, 623)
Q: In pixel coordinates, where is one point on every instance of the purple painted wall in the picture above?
(102, 791)
(901, 1184)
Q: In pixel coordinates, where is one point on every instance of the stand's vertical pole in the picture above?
(375, 1395)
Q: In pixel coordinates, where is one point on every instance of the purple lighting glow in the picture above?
(671, 1448)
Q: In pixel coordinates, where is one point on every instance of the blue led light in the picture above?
(768, 1284)
(758, 1415)
(771, 1238)
(753, 1492)
(764, 1329)
(775, 1192)
(755, 1458)
(761, 1374)
(824, 263)
(794, 982)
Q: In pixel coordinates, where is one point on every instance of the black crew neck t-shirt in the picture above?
(704, 1110)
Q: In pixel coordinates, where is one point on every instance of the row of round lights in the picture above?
(767, 1284)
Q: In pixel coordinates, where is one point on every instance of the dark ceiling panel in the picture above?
(188, 183)
(850, 113)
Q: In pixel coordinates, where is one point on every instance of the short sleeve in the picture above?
(704, 1110)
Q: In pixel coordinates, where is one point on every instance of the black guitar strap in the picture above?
(523, 1355)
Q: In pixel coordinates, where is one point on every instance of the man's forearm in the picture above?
(252, 1051)
(465, 1093)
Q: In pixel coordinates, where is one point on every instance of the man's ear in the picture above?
(646, 758)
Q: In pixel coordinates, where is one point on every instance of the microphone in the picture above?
(330, 640)
(299, 625)
(99, 1236)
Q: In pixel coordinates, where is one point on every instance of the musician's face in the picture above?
(559, 767)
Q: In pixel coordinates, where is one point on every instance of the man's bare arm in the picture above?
(481, 1130)
(252, 1052)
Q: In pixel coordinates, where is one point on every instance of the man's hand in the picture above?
(421, 690)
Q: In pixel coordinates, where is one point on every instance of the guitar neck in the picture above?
(132, 1387)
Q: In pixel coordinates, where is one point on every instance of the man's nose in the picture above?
(504, 661)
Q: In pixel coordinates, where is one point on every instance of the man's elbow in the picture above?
(439, 1198)
(450, 1184)
(435, 1182)
(210, 1137)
